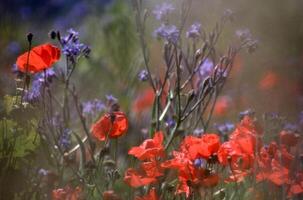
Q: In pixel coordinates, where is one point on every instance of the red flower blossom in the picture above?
(269, 80)
(135, 179)
(66, 193)
(150, 148)
(40, 58)
(144, 101)
(152, 195)
(202, 147)
(222, 105)
(110, 125)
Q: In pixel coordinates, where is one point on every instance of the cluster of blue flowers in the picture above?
(41, 80)
(72, 47)
(92, 107)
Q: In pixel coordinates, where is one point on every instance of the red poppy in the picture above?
(67, 193)
(269, 80)
(203, 147)
(40, 58)
(150, 148)
(144, 101)
(222, 105)
(110, 125)
(136, 179)
(152, 195)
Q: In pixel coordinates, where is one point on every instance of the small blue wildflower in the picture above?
(72, 47)
(224, 128)
(143, 75)
(34, 93)
(200, 163)
(206, 68)
(65, 139)
(92, 107)
(198, 132)
(170, 123)
(194, 30)
(162, 10)
(168, 32)
(111, 99)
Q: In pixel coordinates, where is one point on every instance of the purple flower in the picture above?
(65, 139)
(143, 75)
(111, 99)
(206, 68)
(200, 163)
(92, 107)
(72, 47)
(198, 132)
(34, 93)
(162, 10)
(170, 123)
(40, 80)
(224, 128)
(167, 32)
(194, 30)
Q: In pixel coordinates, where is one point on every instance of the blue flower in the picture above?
(162, 10)
(92, 107)
(194, 30)
(111, 99)
(167, 32)
(72, 47)
(224, 128)
(200, 163)
(206, 68)
(143, 75)
(198, 132)
(40, 80)
(170, 123)
(65, 139)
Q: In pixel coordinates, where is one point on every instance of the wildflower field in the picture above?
(151, 100)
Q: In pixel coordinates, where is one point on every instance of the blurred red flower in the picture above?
(222, 106)
(39, 58)
(150, 148)
(110, 125)
(136, 179)
(144, 101)
(269, 80)
(67, 193)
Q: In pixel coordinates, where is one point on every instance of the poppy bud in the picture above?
(30, 37)
(52, 35)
